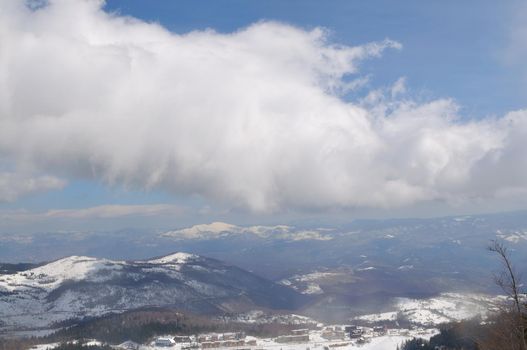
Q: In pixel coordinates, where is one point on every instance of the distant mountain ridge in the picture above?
(79, 286)
(218, 229)
(339, 268)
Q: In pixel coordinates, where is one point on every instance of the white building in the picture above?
(164, 342)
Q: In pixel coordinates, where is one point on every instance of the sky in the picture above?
(130, 113)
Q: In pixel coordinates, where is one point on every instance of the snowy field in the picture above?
(447, 307)
(382, 342)
(373, 341)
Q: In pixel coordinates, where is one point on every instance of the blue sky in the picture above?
(451, 48)
(463, 51)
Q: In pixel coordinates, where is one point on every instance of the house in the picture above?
(356, 333)
(210, 345)
(350, 328)
(379, 329)
(208, 337)
(333, 335)
(182, 339)
(292, 339)
(231, 336)
(164, 342)
(128, 345)
(300, 331)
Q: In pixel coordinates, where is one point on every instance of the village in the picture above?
(320, 337)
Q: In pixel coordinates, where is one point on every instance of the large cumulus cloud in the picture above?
(253, 118)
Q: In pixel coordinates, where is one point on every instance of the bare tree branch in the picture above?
(509, 282)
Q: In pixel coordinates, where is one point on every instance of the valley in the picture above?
(369, 274)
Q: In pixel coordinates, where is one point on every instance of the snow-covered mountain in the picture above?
(79, 286)
(221, 229)
(351, 269)
(512, 236)
(315, 282)
(444, 308)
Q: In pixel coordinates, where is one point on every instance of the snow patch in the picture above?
(217, 230)
(176, 258)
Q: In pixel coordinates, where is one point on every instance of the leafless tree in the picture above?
(510, 326)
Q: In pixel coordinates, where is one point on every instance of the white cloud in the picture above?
(89, 219)
(115, 211)
(14, 185)
(251, 118)
(108, 211)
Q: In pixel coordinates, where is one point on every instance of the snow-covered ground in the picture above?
(261, 317)
(24, 294)
(447, 307)
(390, 342)
(313, 282)
(383, 316)
(49, 276)
(513, 236)
(51, 346)
(174, 259)
(384, 342)
(371, 341)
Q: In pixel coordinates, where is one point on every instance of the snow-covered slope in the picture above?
(220, 229)
(315, 282)
(52, 275)
(447, 307)
(79, 286)
(512, 236)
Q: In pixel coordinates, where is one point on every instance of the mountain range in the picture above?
(79, 286)
(343, 270)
